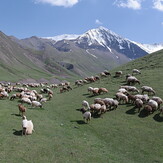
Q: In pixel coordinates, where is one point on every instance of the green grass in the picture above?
(60, 135)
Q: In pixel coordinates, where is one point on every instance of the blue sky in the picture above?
(137, 20)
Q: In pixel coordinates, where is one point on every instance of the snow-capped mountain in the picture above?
(107, 39)
(150, 48)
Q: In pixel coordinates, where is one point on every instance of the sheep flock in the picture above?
(36, 95)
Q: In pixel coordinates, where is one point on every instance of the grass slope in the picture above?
(60, 135)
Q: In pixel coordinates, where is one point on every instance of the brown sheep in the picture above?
(102, 90)
(22, 109)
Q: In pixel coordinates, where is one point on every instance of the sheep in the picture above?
(102, 90)
(131, 98)
(148, 108)
(136, 71)
(153, 104)
(85, 104)
(95, 108)
(121, 97)
(90, 89)
(13, 97)
(43, 100)
(99, 101)
(122, 90)
(27, 126)
(50, 96)
(103, 109)
(95, 91)
(148, 89)
(86, 115)
(22, 109)
(118, 73)
(161, 110)
(130, 88)
(138, 104)
(144, 98)
(26, 100)
(36, 104)
(133, 80)
(158, 100)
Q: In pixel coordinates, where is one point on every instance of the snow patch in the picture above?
(91, 54)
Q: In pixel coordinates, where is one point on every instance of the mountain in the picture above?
(86, 54)
(105, 40)
(150, 48)
(70, 56)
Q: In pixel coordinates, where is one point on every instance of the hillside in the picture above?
(18, 63)
(119, 136)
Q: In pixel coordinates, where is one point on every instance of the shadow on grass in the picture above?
(17, 132)
(80, 122)
(85, 94)
(143, 113)
(18, 115)
(132, 111)
(37, 108)
(158, 118)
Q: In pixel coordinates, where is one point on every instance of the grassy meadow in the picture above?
(61, 136)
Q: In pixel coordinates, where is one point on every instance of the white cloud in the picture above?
(158, 4)
(132, 4)
(65, 3)
(98, 22)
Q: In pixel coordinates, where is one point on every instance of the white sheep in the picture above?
(158, 100)
(85, 104)
(144, 98)
(86, 115)
(136, 71)
(26, 100)
(130, 88)
(27, 126)
(121, 97)
(133, 80)
(36, 104)
(153, 104)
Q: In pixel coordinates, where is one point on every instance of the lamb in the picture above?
(36, 104)
(133, 80)
(86, 115)
(138, 104)
(22, 109)
(85, 104)
(148, 89)
(136, 71)
(158, 100)
(27, 126)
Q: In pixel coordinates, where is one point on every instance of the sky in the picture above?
(137, 20)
